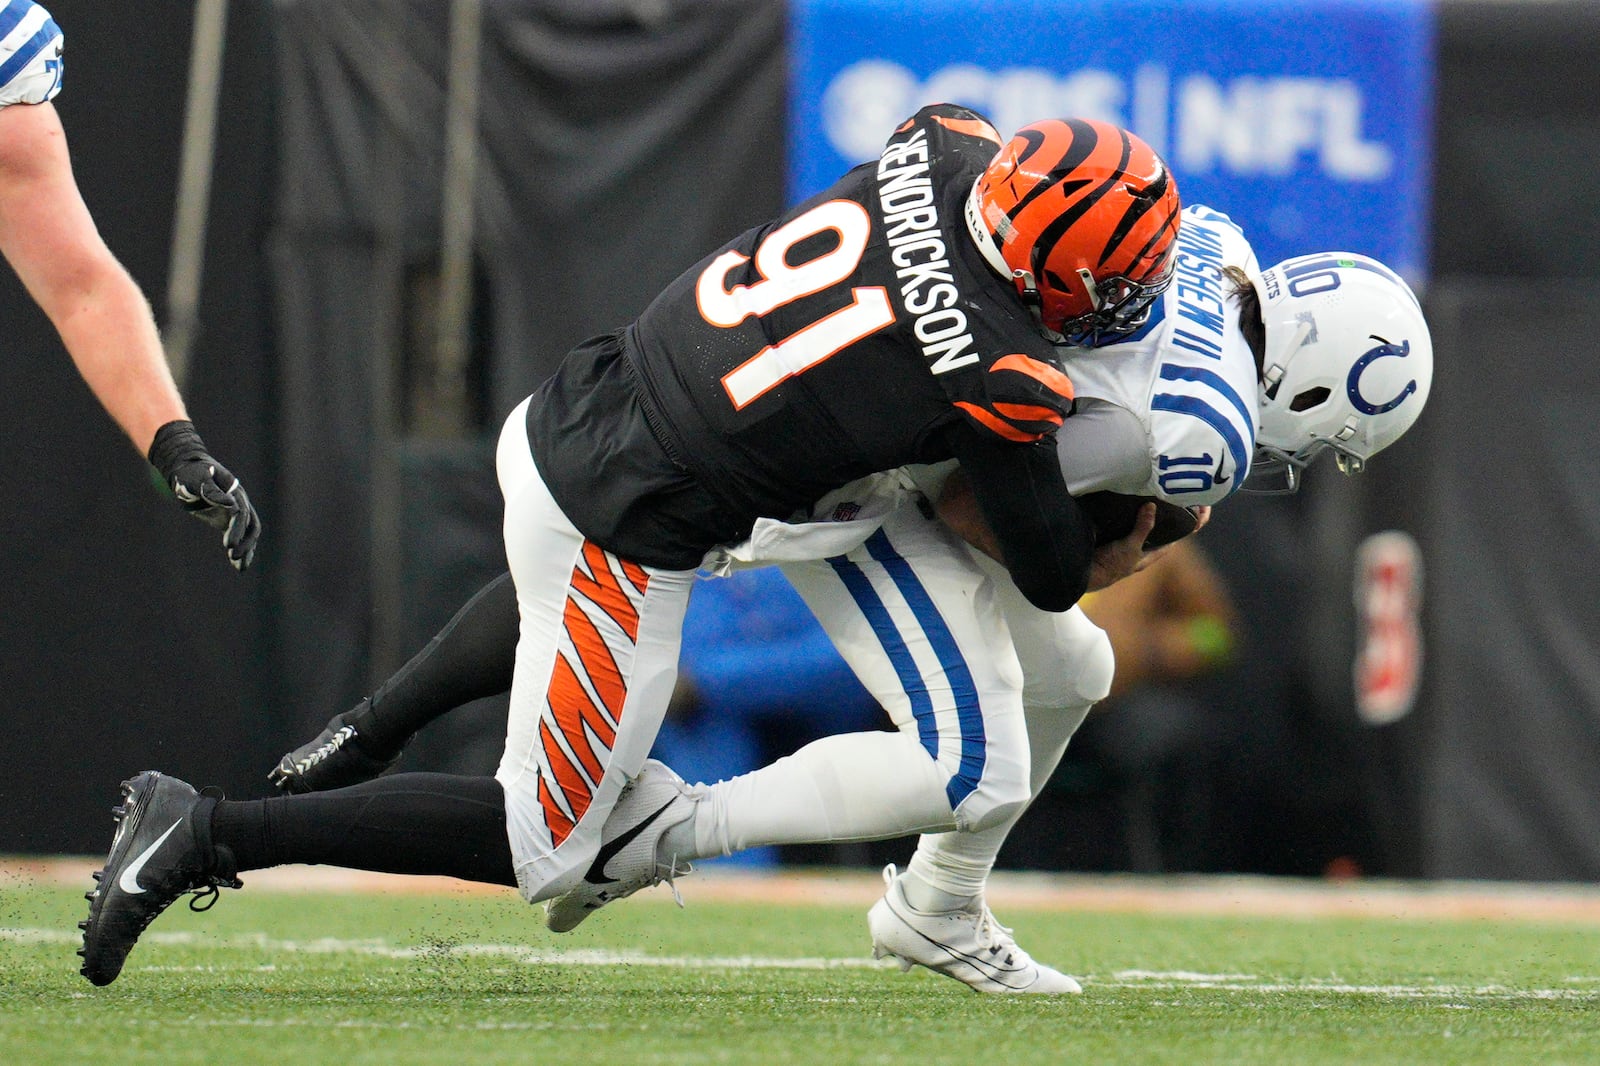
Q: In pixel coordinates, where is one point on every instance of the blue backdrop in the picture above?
(1307, 121)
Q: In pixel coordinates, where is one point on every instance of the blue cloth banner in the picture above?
(1307, 121)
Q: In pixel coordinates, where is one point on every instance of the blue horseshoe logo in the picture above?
(1352, 384)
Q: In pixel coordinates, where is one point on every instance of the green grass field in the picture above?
(308, 977)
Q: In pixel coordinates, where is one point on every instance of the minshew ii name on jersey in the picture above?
(928, 289)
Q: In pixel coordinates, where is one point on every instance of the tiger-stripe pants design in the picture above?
(597, 659)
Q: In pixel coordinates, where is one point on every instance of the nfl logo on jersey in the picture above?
(845, 512)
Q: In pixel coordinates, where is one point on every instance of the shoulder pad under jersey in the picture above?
(951, 138)
(962, 121)
(30, 53)
(1201, 437)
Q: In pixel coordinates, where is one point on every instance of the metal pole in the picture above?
(457, 194)
(389, 169)
(194, 183)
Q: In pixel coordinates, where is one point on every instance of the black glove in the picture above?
(206, 489)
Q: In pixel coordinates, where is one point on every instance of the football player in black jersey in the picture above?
(906, 315)
(914, 611)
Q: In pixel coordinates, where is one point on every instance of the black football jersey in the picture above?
(842, 338)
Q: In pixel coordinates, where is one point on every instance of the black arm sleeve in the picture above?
(1047, 540)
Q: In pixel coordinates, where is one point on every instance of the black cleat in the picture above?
(161, 850)
(337, 758)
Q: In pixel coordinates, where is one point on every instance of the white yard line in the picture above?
(1585, 987)
(521, 953)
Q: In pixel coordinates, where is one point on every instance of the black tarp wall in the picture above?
(128, 642)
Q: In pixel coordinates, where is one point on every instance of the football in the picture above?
(1114, 513)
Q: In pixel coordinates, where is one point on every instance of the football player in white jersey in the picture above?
(105, 322)
(985, 689)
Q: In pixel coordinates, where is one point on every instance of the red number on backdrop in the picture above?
(782, 283)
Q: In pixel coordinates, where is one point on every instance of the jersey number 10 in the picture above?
(781, 283)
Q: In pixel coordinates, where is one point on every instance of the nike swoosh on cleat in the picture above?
(129, 881)
(608, 851)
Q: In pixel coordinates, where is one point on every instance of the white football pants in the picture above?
(1067, 665)
(984, 690)
(597, 658)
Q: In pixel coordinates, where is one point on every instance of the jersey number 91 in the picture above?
(781, 283)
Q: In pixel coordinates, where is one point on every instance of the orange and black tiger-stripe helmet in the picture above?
(1081, 215)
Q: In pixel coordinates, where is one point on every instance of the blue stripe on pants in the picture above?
(877, 615)
(969, 714)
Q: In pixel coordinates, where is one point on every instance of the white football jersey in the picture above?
(30, 53)
(1171, 410)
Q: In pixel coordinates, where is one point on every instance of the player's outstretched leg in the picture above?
(630, 857)
(966, 944)
(339, 756)
(472, 657)
(162, 849)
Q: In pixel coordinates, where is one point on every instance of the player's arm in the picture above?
(958, 508)
(1101, 449)
(1036, 529)
(51, 241)
(105, 322)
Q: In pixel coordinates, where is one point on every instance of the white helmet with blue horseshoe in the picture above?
(1347, 366)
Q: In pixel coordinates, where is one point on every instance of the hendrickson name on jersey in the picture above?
(928, 289)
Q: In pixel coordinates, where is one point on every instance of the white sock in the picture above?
(678, 843)
(930, 900)
(856, 786)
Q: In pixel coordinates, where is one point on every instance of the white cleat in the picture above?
(968, 945)
(627, 861)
